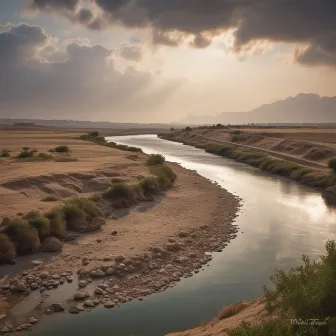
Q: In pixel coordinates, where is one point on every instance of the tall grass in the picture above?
(164, 176)
(7, 248)
(58, 226)
(62, 149)
(332, 164)
(41, 223)
(24, 235)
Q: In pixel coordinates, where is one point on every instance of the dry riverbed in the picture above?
(137, 252)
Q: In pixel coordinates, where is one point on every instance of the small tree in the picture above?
(188, 128)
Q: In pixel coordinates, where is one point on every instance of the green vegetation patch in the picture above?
(155, 159)
(41, 223)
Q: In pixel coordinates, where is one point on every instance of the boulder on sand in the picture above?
(52, 244)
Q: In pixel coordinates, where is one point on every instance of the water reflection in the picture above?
(280, 220)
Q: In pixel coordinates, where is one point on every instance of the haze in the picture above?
(158, 60)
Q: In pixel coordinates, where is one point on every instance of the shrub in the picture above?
(25, 148)
(5, 153)
(74, 215)
(298, 174)
(94, 134)
(266, 328)
(236, 132)
(25, 154)
(7, 248)
(57, 223)
(24, 235)
(155, 159)
(96, 198)
(165, 176)
(121, 195)
(89, 207)
(187, 129)
(50, 199)
(134, 149)
(150, 185)
(307, 291)
(62, 149)
(41, 223)
(332, 164)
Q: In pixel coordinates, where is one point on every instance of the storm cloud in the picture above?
(39, 82)
(309, 23)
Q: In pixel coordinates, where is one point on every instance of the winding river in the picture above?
(278, 222)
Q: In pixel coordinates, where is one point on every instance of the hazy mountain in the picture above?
(304, 108)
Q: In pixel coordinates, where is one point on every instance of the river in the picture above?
(278, 222)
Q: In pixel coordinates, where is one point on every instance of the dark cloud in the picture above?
(38, 80)
(55, 4)
(131, 53)
(307, 22)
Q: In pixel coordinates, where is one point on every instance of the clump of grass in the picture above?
(267, 328)
(41, 223)
(74, 216)
(86, 205)
(150, 185)
(58, 226)
(24, 235)
(7, 248)
(50, 198)
(298, 174)
(155, 159)
(236, 132)
(4, 153)
(119, 191)
(62, 149)
(25, 148)
(332, 164)
(164, 175)
(94, 134)
(96, 198)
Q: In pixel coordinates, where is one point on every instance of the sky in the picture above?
(161, 60)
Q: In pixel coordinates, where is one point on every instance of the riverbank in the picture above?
(138, 251)
(308, 172)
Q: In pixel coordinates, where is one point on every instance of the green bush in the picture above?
(62, 149)
(332, 164)
(4, 153)
(307, 291)
(236, 132)
(24, 235)
(298, 174)
(94, 134)
(57, 223)
(41, 223)
(121, 195)
(96, 198)
(155, 159)
(165, 176)
(150, 185)
(89, 207)
(74, 215)
(7, 248)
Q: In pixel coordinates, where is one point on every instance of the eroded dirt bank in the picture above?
(137, 252)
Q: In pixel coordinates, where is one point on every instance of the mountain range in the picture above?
(303, 108)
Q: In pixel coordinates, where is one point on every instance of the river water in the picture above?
(278, 222)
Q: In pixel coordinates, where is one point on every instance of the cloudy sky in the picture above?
(161, 60)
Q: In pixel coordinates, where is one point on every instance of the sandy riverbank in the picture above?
(153, 244)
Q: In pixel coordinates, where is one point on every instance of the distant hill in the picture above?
(82, 124)
(303, 108)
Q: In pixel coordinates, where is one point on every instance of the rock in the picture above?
(192, 255)
(25, 326)
(107, 259)
(89, 303)
(171, 240)
(102, 286)
(33, 285)
(21, 287)
(5, 330)
(109, 304)
(52, 244)
(71, 236)
(69, 280)
(57, 307)
(80, 307)
(81, 295)
(183, 234)
(114, 233)
(37, 262)
(119, 258)
(97, 273)
(73, 310)
(98, 240)
(115, 287)
(99, 183)
(131, 269)
(98, 291)
(96, 302)
(96, 224)
(157, 249)
(33, 320)
(2, 316)
(173, 247)
(110, 271)
(44, 274)
(120, 266)
(82, 283)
